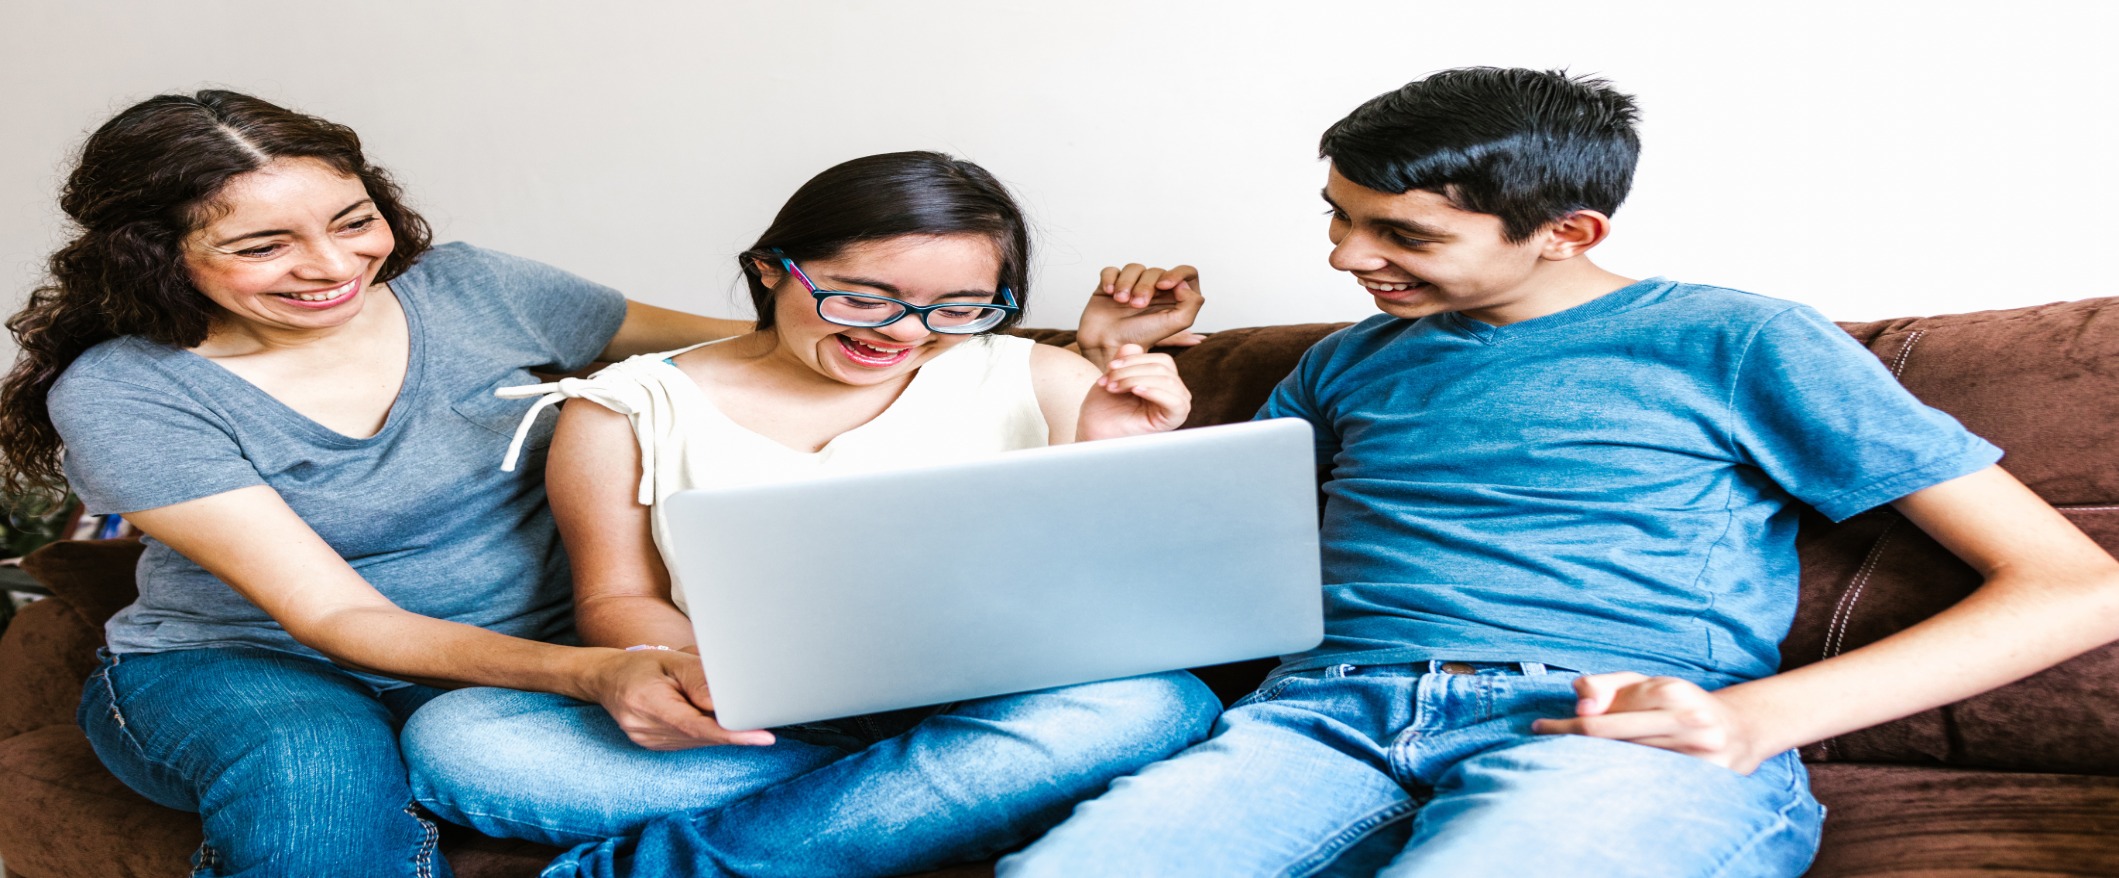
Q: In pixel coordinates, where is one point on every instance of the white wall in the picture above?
(1870, 159)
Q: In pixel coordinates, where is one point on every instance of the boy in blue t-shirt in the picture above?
(1559, 541)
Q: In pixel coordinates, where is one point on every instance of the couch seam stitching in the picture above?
(1898, 366)
(1843, 613)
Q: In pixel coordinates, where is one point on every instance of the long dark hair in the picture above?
(885, 196)
(145, 180)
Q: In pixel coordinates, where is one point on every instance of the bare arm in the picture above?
(621, 588)
(250, 539)
(1137, 393)
(1062, 379)
(648, 329)
(2050, 594)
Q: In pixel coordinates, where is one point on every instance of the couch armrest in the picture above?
(50, 647)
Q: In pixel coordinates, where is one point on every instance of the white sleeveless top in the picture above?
(974, 400)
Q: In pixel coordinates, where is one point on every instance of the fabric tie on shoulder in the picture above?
(626, 397)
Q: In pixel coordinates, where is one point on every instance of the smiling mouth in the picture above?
(867, 354)
(1394, 290)
(325, 297)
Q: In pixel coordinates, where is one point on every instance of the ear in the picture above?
(769, 271)
(1574, 234)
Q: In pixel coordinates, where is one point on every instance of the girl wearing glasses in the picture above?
(879, 288)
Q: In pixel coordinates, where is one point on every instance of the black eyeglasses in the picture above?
(869, 310)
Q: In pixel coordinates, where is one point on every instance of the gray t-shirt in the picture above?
(420, 509)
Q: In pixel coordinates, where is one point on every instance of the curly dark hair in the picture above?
(145, 180)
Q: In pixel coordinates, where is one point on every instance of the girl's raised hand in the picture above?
(1138, 393)
(1139, 305)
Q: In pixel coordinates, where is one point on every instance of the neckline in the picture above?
(415, 370)
(1617, 301)
(912, 390)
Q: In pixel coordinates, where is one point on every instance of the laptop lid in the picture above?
(1026, 570)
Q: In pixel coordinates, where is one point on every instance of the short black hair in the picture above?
(1528, 146)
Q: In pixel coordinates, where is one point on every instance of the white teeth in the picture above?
(324, 296)
(1388, 288)
(880, 352)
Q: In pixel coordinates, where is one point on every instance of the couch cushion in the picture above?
(1934, 822)
(2043, 383)
(51, 646)
(63, 815)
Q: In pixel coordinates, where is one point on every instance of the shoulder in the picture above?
(1051, 362)
(128, 364)
(1349, 345)
(457, 264)
(1737, 311)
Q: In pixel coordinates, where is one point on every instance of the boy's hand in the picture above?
(1138, 393)
(1663, 712)
(1136, 304)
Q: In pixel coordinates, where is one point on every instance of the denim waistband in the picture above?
(1442, 666)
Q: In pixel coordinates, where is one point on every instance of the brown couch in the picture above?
(2023, 780)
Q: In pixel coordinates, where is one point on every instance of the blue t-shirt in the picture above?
(420, 509)
(1607, 488)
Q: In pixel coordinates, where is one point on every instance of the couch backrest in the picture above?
(2043, 383)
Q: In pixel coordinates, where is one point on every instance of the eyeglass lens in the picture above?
(865, 311)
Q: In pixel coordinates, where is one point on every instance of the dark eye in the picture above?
(262, 251)
(1336, 214)
(858, 302)
(358, 226)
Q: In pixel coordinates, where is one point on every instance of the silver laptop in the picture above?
(1026, 570)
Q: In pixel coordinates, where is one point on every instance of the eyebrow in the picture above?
(1407, 226)
(270, 232)
(892, 291)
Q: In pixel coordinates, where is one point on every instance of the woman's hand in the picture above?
(1150, 307)
(1138, 393)
(659, 698)
(1663, 712)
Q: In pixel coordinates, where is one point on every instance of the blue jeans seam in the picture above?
(550, 829)
(204, 860)
(1329, 850)
(117, 720)
(1782, 823)
(430, 838)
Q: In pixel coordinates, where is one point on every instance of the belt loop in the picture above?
(1434, 666)
(1533, 669)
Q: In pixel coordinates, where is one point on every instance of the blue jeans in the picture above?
(291, 763)
(876, 795)
(1404, 770)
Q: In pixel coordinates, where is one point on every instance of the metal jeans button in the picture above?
(1457, 668)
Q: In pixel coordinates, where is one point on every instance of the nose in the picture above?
(328, 259)
(907, 329)
(1354, 252)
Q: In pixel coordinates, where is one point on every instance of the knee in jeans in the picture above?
(466, 734)
(1165, 711)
